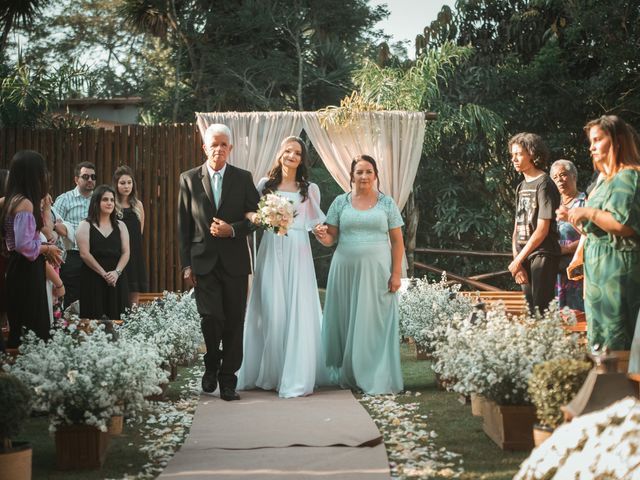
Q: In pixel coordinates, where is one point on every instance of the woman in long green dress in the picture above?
(611, 220)
(360, 321)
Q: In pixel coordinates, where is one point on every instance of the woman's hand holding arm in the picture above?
(397, 253)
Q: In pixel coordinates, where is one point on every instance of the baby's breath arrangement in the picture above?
(429, 309)
(88, 377)
(171, 323)
(494, 355)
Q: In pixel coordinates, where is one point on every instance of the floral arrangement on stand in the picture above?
(428, 310)
(275, 213)
(171, 324)
(602, 444)
(86, 378)
(493, 355)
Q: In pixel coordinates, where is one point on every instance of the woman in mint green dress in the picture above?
(611, 220)
(360, 321)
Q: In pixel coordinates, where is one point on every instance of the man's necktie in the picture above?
(216, 187)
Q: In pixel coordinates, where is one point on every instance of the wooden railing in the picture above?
(472, 281)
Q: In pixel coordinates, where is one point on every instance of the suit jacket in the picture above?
(198, 248)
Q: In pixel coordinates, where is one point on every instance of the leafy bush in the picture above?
(16, 407)
(553, 384)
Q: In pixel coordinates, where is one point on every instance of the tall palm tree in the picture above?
(13, 12)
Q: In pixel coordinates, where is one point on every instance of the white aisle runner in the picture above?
(327, 435)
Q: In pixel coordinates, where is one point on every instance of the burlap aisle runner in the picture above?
(325, 435)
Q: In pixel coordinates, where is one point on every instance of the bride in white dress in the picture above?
(283, 324)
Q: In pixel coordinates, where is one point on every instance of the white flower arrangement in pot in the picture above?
(429, 309)
(85, 379)
(493, 355)
(172, 324)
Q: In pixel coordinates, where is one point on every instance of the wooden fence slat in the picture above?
(157, 156)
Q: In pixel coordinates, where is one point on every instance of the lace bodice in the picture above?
(364, 226)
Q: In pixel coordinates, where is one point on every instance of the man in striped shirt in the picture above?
(73, 207)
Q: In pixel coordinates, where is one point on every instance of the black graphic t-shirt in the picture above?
(537, 199)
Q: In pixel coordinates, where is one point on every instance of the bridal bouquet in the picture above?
(275, 213)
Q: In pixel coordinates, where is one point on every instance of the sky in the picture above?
(409, 17)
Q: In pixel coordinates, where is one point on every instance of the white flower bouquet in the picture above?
(275, 214)
(87, 378)
(494, 355)
(428, 310)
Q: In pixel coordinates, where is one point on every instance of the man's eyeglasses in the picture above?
(87, 176)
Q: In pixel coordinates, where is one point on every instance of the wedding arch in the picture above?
(393, 138)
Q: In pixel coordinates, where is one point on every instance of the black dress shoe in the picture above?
(209, 381)
(229, 394)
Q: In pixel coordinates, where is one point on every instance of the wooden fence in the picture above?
(157, 155)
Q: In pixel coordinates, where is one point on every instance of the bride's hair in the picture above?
(275, 175)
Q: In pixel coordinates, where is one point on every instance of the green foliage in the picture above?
(29, 95)
(16, 407)
(553, 384)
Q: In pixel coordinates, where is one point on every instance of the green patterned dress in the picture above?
(612, 264)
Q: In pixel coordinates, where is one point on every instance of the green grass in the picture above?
(458, 431)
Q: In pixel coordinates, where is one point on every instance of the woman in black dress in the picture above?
(133, 217)
(103, 241)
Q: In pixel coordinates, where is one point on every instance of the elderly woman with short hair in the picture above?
(565, 175)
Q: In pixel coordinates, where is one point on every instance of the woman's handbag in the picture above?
(575, 270)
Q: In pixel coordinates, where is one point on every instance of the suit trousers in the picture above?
(221, 300)
(541, 289)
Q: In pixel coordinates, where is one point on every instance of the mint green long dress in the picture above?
(360, 322)
(612, 264)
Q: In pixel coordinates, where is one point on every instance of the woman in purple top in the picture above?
(21, 222)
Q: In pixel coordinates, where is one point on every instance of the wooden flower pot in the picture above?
(477, 404)
(80, 447)
(15, 463)
(509, 426)
(116, 425)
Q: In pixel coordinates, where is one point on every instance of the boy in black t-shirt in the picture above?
(536, 251)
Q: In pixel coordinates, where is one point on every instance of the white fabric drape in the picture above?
(393, 139)
(256, 136)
